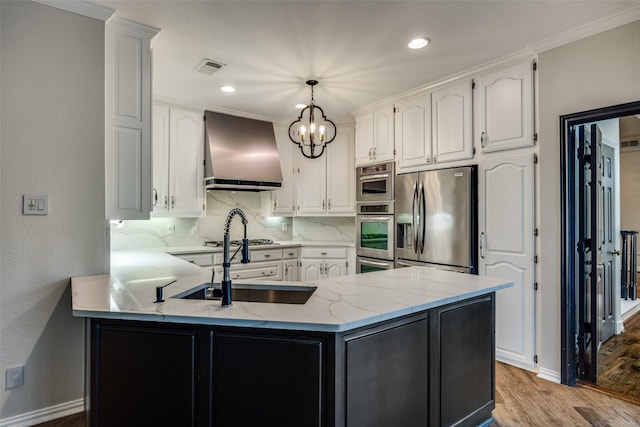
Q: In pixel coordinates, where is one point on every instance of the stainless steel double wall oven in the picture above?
(375, 222)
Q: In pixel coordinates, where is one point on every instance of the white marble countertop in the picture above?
(338, 304)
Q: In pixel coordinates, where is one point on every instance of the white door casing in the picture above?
(507, 250)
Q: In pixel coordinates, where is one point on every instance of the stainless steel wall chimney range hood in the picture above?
(241, 154)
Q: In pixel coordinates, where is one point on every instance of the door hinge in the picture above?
(395, 109)
(535, 259)
(535, 232)
(535, 137)
(535, 66)
(394, 152)
(535, 159)
(535, 359)
(535, 286)
(474, 151)
(473, 84)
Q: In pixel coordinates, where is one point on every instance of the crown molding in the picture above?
(629, 15)
(81, 8)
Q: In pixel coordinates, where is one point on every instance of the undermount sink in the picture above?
(268, 292)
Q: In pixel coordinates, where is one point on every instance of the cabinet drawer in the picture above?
(254, 255)
(290, 253)
(324, 252)
(264, 270)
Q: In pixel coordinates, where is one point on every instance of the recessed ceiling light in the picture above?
(228, 89)
(419, 42)
(300, 106)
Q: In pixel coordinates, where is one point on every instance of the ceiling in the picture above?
(356, 49)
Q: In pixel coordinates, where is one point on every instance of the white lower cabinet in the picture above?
(323, 262)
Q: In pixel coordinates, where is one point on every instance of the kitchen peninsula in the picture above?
(405, 347)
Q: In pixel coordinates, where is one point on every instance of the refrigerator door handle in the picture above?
(482, 245)
(415, 218)
(423, 216)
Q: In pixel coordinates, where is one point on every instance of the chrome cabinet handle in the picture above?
(374, 153)
(323, 203)
(173, 202)
(329, 204)
(155, 197)
(482, 245)
(166, 202)
(370, 151)
(267, 255)
(482, 139)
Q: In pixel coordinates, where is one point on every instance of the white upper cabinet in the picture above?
(375, 137)
(128, 119)
(178, 162)
(282, 202)
(506, 108)
(451, 122)
(413, 132)
(326, 185)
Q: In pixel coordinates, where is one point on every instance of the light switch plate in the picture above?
(35, 205)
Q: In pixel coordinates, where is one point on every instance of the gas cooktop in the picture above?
(252, 242)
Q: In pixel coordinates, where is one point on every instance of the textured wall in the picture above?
(52, 142)
(595, 72)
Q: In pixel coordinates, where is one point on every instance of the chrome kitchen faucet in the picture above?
(226, 281)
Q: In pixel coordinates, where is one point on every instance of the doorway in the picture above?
(591, 288)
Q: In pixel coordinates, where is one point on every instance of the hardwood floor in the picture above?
(523, 399)
(620, 365)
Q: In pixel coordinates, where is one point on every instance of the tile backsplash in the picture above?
(171, 232)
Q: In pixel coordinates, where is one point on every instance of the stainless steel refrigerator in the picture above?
(436, 219)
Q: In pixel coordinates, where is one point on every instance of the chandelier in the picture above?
(312, 131)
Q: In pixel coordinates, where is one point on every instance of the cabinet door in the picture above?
(291, 271)
(413, 132)
(284, 199)
(311, 269)
(451, 121)
(283, 386)
(506, 108)
(186, 163)
(387, 377)
(137, 370)
(335, 268)
(127, 119)
(506, 225)
(383, 138)
(312, 185)
(160, 140)
(341, 174)
(364, 139)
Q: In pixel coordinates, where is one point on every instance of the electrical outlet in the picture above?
(171, 229)
(35, 205)
(14, 377)
(195, 228)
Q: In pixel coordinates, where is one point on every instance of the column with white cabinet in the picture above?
(128, 119)
(326, 185)
(451, 122)
(505, 111)
(318, 262)
(375, 136)
(178, 162)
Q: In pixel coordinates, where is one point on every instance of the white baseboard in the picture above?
(549, 375)
(44, 415)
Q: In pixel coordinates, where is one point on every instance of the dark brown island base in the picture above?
(434, 368)
(405, 347)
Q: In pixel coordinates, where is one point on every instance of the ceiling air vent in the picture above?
(209, 66)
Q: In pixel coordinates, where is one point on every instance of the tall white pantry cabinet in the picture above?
(128, 119)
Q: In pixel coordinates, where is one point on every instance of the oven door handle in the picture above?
(376, 218)
(373, 177)
(375, 264)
